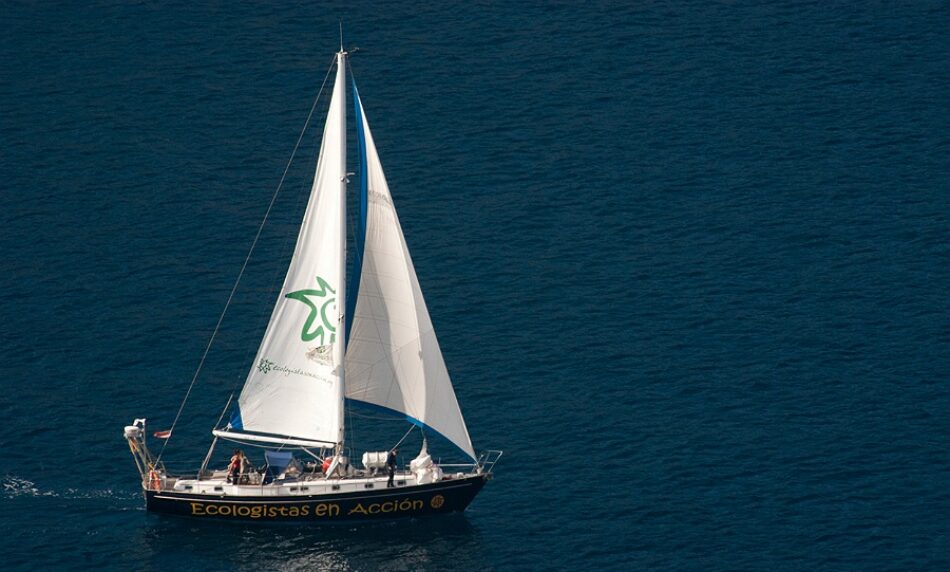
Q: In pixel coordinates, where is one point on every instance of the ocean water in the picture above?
(689, 264)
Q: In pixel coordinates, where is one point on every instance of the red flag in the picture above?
(163, 434)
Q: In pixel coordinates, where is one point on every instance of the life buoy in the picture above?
(154, 481)
(326, 464)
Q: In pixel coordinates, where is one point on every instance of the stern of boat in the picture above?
(151, 472)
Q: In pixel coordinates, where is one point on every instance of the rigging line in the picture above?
(223, 411)
(243, 268)
(265, 312)
(411, 427)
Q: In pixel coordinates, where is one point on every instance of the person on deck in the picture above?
(246, 468)
(391, 465)
(236, 466)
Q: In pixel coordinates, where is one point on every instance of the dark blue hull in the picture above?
(435, 498)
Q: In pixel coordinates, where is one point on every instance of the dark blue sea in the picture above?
(689, 264)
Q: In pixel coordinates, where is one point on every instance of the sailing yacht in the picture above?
(322, 351)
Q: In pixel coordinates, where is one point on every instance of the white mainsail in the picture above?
(294, 391)
(393, 358)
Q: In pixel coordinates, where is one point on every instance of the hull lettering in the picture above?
(319, 510)
(386, 507)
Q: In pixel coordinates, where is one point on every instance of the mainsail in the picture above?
(393, 360)
(294, 391)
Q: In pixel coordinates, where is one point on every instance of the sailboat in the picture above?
(322, 351)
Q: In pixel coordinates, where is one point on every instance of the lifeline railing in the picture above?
(487, 459)
(485, 462)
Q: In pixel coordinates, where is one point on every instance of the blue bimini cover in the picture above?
(277, 461)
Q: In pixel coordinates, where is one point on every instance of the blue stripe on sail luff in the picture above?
(236, 422)
(354, 288)
(413, 420)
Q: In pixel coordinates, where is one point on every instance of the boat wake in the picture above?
(17, 487)
(14, 486)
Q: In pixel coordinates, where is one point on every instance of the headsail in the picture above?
(294, 391)
(393, 358)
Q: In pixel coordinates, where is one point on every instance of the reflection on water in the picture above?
(436, 543)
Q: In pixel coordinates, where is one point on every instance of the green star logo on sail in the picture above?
(320, 300)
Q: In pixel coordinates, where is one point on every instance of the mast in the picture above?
(339, 349)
